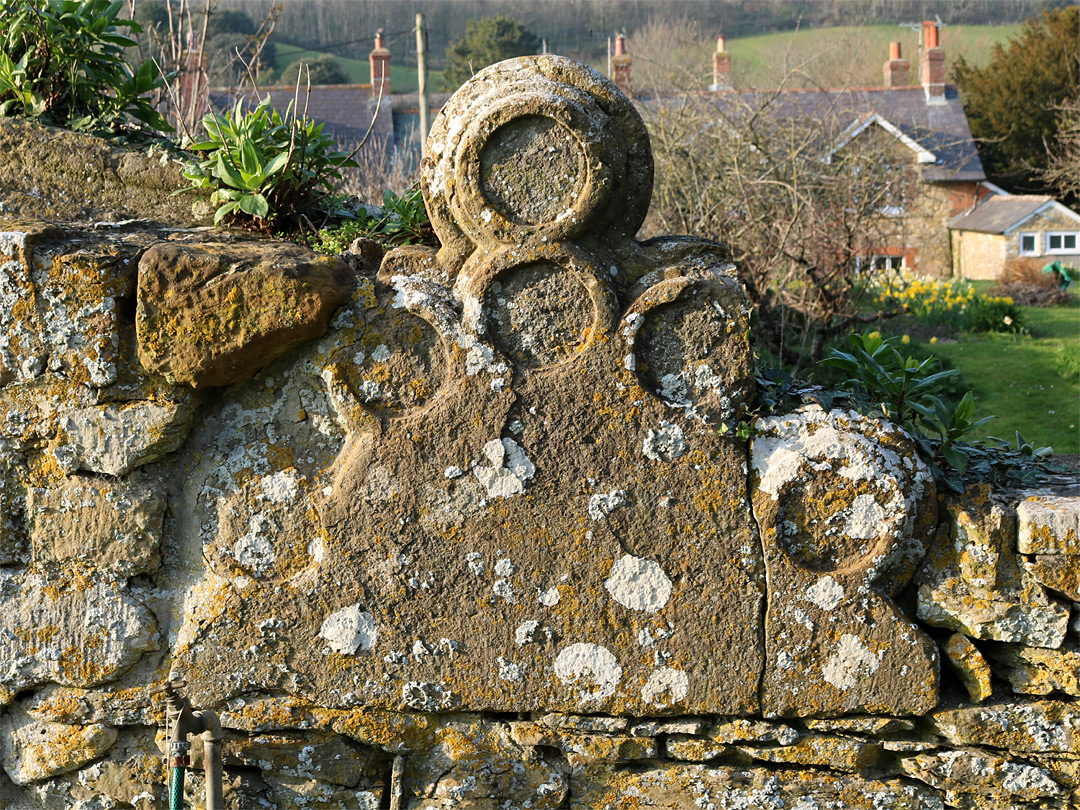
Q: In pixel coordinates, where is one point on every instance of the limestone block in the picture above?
(1039, 671)
(35, 750)
(845, 507)
(132, 773)
(286, 713)
(529, 506)
(473, 759)
(1046, 726)
(394, 732)
(22, 350)
(585, 723)
(111, 524)
(694, 749)
(71, 627)
(692, 787)
(692, 726)
(860, 724)
(1049, 524)
(30, 413)
(583, 747)
(314, 755)
(974, 771)
(740, 729)
(288, 791)
(821, 751)
(80, 293)
(114, 439)
(971, 581)
(970, 664)
(1058, 572)
(12, 504)
(114, 705)
(212, 314)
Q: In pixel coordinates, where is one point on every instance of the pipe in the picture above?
(185, 722)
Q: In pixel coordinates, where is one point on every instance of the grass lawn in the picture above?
(402, 77)
(1021, 380)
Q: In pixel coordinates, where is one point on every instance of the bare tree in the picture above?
(803, 204)
(1063, 168)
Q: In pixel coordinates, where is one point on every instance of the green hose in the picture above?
(176, 789)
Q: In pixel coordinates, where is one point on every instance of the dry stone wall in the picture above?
(466, 530)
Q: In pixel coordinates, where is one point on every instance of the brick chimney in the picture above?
(896, 69)
(379, 59)
(932, 65)
(721, 66)
(620, 66)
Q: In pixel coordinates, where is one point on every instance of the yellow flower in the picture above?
(905, 339)
(933, 340)
(874, 335)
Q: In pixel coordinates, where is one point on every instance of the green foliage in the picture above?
(403, 221)
(910, 392)
(487, 41)
(323, 69)
(271, 168)
(63, 62)
(1012, 102)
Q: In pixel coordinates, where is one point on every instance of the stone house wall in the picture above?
(983, 256)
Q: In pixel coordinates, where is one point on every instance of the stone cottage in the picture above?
(1013, 234)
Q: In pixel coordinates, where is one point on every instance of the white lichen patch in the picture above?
(508, 671)
(826, 593)
(254, 551)
(526, 632)
(603, 504)
(281, 487)
(638, 584)
(666, 443)
(349, 630)
(666, 687)
(851, 661)
(507, 471)
(550, 597)
(865, 518)
(593, 669)
(381, 353)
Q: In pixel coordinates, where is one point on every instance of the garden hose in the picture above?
(176, 789)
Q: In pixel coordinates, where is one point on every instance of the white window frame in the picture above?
(1034, 243)
(1062, 250)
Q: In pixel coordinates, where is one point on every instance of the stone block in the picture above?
(1049, 524)
(973, 771)
(970, 665)
(12, 504)
(972, 582)
(845, 507)
(1039, 727)
(73, 628)
(692, 787)
(312, 755)
(848, 754)
(1039, 671)
(1058, 572)
(212, 314)
(582, 747)
(115, 439)
(110, 524)
(35, 750)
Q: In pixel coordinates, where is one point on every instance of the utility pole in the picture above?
(421, 81)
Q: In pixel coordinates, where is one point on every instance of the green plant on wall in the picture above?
(267, 167)
(63, 62)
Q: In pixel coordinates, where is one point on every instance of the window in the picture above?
(1029, 244)
(880, 262)
(1061, 242)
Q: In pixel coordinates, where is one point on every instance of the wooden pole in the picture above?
(421, 81)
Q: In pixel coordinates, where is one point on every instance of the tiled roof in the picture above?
(940, 128)
(999, 213)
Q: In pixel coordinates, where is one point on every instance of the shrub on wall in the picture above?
(63, 62)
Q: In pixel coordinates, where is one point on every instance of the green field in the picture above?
(852, 56)
(402, 78)
(1021, 378)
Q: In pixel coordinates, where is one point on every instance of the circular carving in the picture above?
(540, 313)
(398, 364)
(692, 353)
(532, 169)
(825, 524)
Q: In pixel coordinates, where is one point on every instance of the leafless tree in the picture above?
(803, 205)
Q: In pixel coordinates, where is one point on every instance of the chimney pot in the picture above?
(379, 63)
(930, 34)
(896, 69)
(932, 65)
(894, 50)
(721, 66)
(620, 66)
(721, 43)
